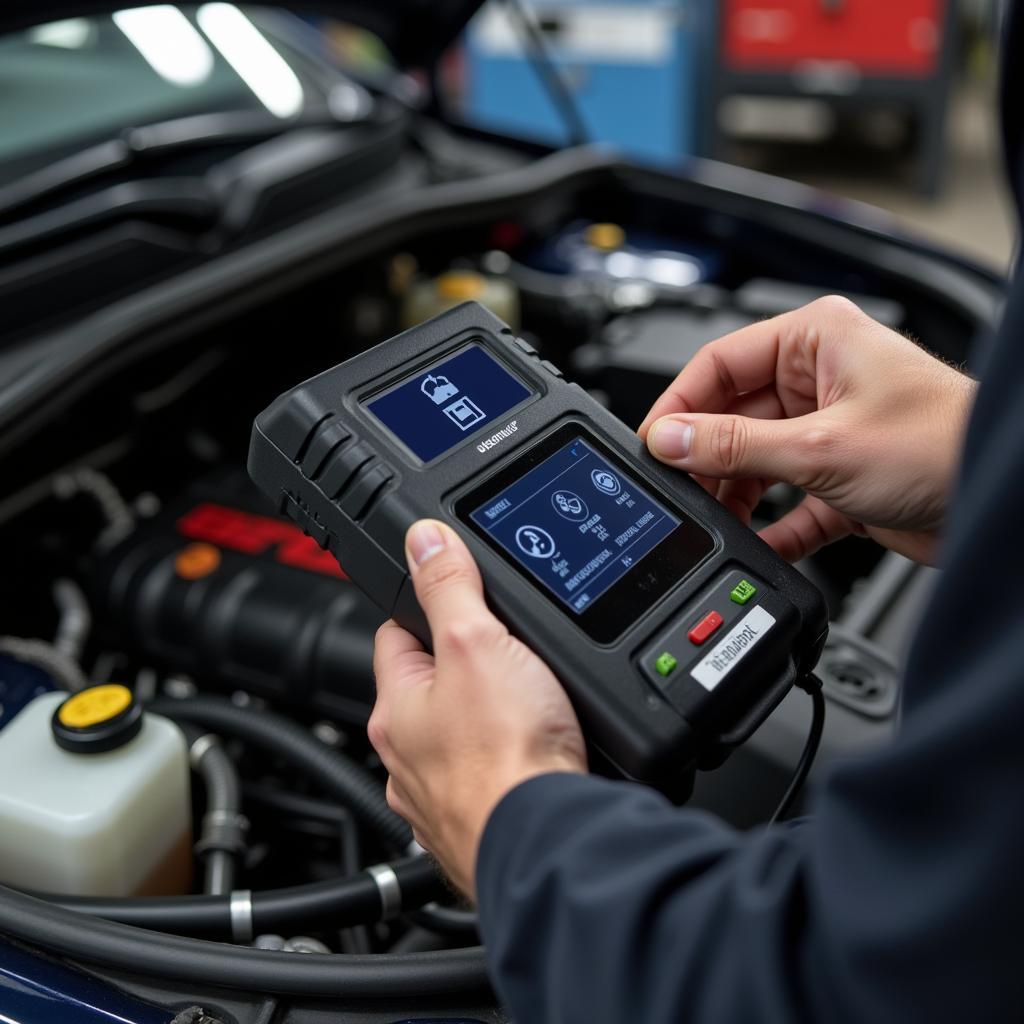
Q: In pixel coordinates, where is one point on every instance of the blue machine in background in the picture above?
(637, 69)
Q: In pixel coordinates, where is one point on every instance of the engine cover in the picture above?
(218, 587)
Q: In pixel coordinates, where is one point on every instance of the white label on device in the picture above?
(732, 648)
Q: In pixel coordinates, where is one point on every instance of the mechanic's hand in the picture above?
(859, 417)
(459, 729)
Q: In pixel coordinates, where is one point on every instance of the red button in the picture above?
(705, 628)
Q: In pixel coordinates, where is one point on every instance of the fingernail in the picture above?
(672, 439)
(425, 540)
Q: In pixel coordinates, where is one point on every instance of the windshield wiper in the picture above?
(179, 199)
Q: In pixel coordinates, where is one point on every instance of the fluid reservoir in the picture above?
(94, 798)
(436, 295)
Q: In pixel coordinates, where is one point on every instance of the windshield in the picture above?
(69, 83)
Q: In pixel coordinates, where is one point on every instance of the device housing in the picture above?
(355, 487)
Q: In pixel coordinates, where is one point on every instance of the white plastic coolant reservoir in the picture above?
(94, 799)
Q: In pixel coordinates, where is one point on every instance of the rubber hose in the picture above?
(419, 940)
(355, 939)
(340, 902)
(41, 653)
(199, 962)
(74, 619)
(223, 808)
(292, 805)
(266, 1014)
(451, 921)
(345, 780)
(222, 838)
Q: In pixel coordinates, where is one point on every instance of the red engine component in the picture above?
(254, 534)
(215, 587)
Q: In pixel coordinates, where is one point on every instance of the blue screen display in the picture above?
(446, 403)
(576, 523)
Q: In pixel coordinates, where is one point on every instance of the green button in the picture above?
(665, 663)
(743, 592)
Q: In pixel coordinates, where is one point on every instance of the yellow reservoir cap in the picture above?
(461, 285)
(605, 237)
(93, 706)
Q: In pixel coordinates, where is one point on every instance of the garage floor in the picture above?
(973, 214)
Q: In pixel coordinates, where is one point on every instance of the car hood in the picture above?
(415, 31)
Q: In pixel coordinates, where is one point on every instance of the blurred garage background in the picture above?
(886, 101)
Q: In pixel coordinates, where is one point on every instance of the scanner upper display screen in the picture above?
(441, 406)
(575, 523)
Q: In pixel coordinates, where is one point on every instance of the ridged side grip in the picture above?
(292, 420)
(325, 438)
(341, 468)
(368, 485)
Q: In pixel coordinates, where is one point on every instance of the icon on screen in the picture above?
(464, 413)
(438, 389)
(605, 482)
(570, 505)
(535, 542)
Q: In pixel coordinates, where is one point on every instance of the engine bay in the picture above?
(138, 553)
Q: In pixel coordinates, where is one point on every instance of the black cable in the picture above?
(340, 902)
(346, 781)
(551, 78)
(810, 684)
(198, 962)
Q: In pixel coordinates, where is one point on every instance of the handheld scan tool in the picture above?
(673, 627)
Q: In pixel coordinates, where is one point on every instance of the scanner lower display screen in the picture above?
(576, 523)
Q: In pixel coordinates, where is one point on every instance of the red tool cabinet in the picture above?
(901, 37)
(847, 51)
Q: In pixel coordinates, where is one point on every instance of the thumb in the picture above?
(729, 447)
(447, 582)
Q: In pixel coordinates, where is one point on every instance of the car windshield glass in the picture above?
(66, 84)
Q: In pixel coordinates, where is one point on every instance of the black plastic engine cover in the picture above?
(220, 588)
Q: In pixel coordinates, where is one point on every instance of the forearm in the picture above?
(601, 902)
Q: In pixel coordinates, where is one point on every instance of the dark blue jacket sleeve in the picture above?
(901, 898)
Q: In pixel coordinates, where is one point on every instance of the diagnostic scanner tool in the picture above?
(673, 628)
